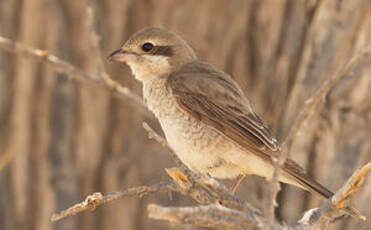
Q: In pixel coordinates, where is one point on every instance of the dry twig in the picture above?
(351, 186)
(70, 70)
(93, 201)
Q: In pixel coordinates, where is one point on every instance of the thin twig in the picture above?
(206, 190)
(312, 105)
(70, 70)
(93, 201)
(350, 187)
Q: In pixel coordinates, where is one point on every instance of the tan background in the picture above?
(67, 139)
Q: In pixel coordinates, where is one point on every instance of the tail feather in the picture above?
(299, 176)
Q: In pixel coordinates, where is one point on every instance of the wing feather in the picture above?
(215, 98)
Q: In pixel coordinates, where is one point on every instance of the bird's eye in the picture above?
(146, 47)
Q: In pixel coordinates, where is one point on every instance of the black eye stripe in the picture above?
(163, 51)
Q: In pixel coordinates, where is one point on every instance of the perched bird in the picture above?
(207, 119)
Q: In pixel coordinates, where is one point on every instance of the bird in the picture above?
(206, 117)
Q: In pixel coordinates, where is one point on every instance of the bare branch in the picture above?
(351, 186)
(312, 105)
(70, 70)
(206, 190)
(210, 216)
(93, 201)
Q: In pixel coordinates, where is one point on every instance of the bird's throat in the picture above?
(140, 73)
(149, 67)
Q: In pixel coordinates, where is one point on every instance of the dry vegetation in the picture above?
(61, 140)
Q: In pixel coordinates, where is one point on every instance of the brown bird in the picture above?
(207, 119)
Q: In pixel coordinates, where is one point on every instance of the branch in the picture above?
(312, 105)
(70, 70)
(209, 216)
(351, 186)
(91, 202)
(206, 190)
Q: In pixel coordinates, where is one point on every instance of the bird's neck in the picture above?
(154, 89)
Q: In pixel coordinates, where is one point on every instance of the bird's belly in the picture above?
(200, 148)
(205, 150)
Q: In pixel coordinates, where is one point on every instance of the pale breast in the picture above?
(199, 146)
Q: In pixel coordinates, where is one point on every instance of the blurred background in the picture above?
(61, 140)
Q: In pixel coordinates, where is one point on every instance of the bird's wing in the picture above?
(215, 99)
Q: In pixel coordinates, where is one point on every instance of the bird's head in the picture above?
(153, 52)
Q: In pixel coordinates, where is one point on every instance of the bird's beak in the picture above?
(121, 55)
